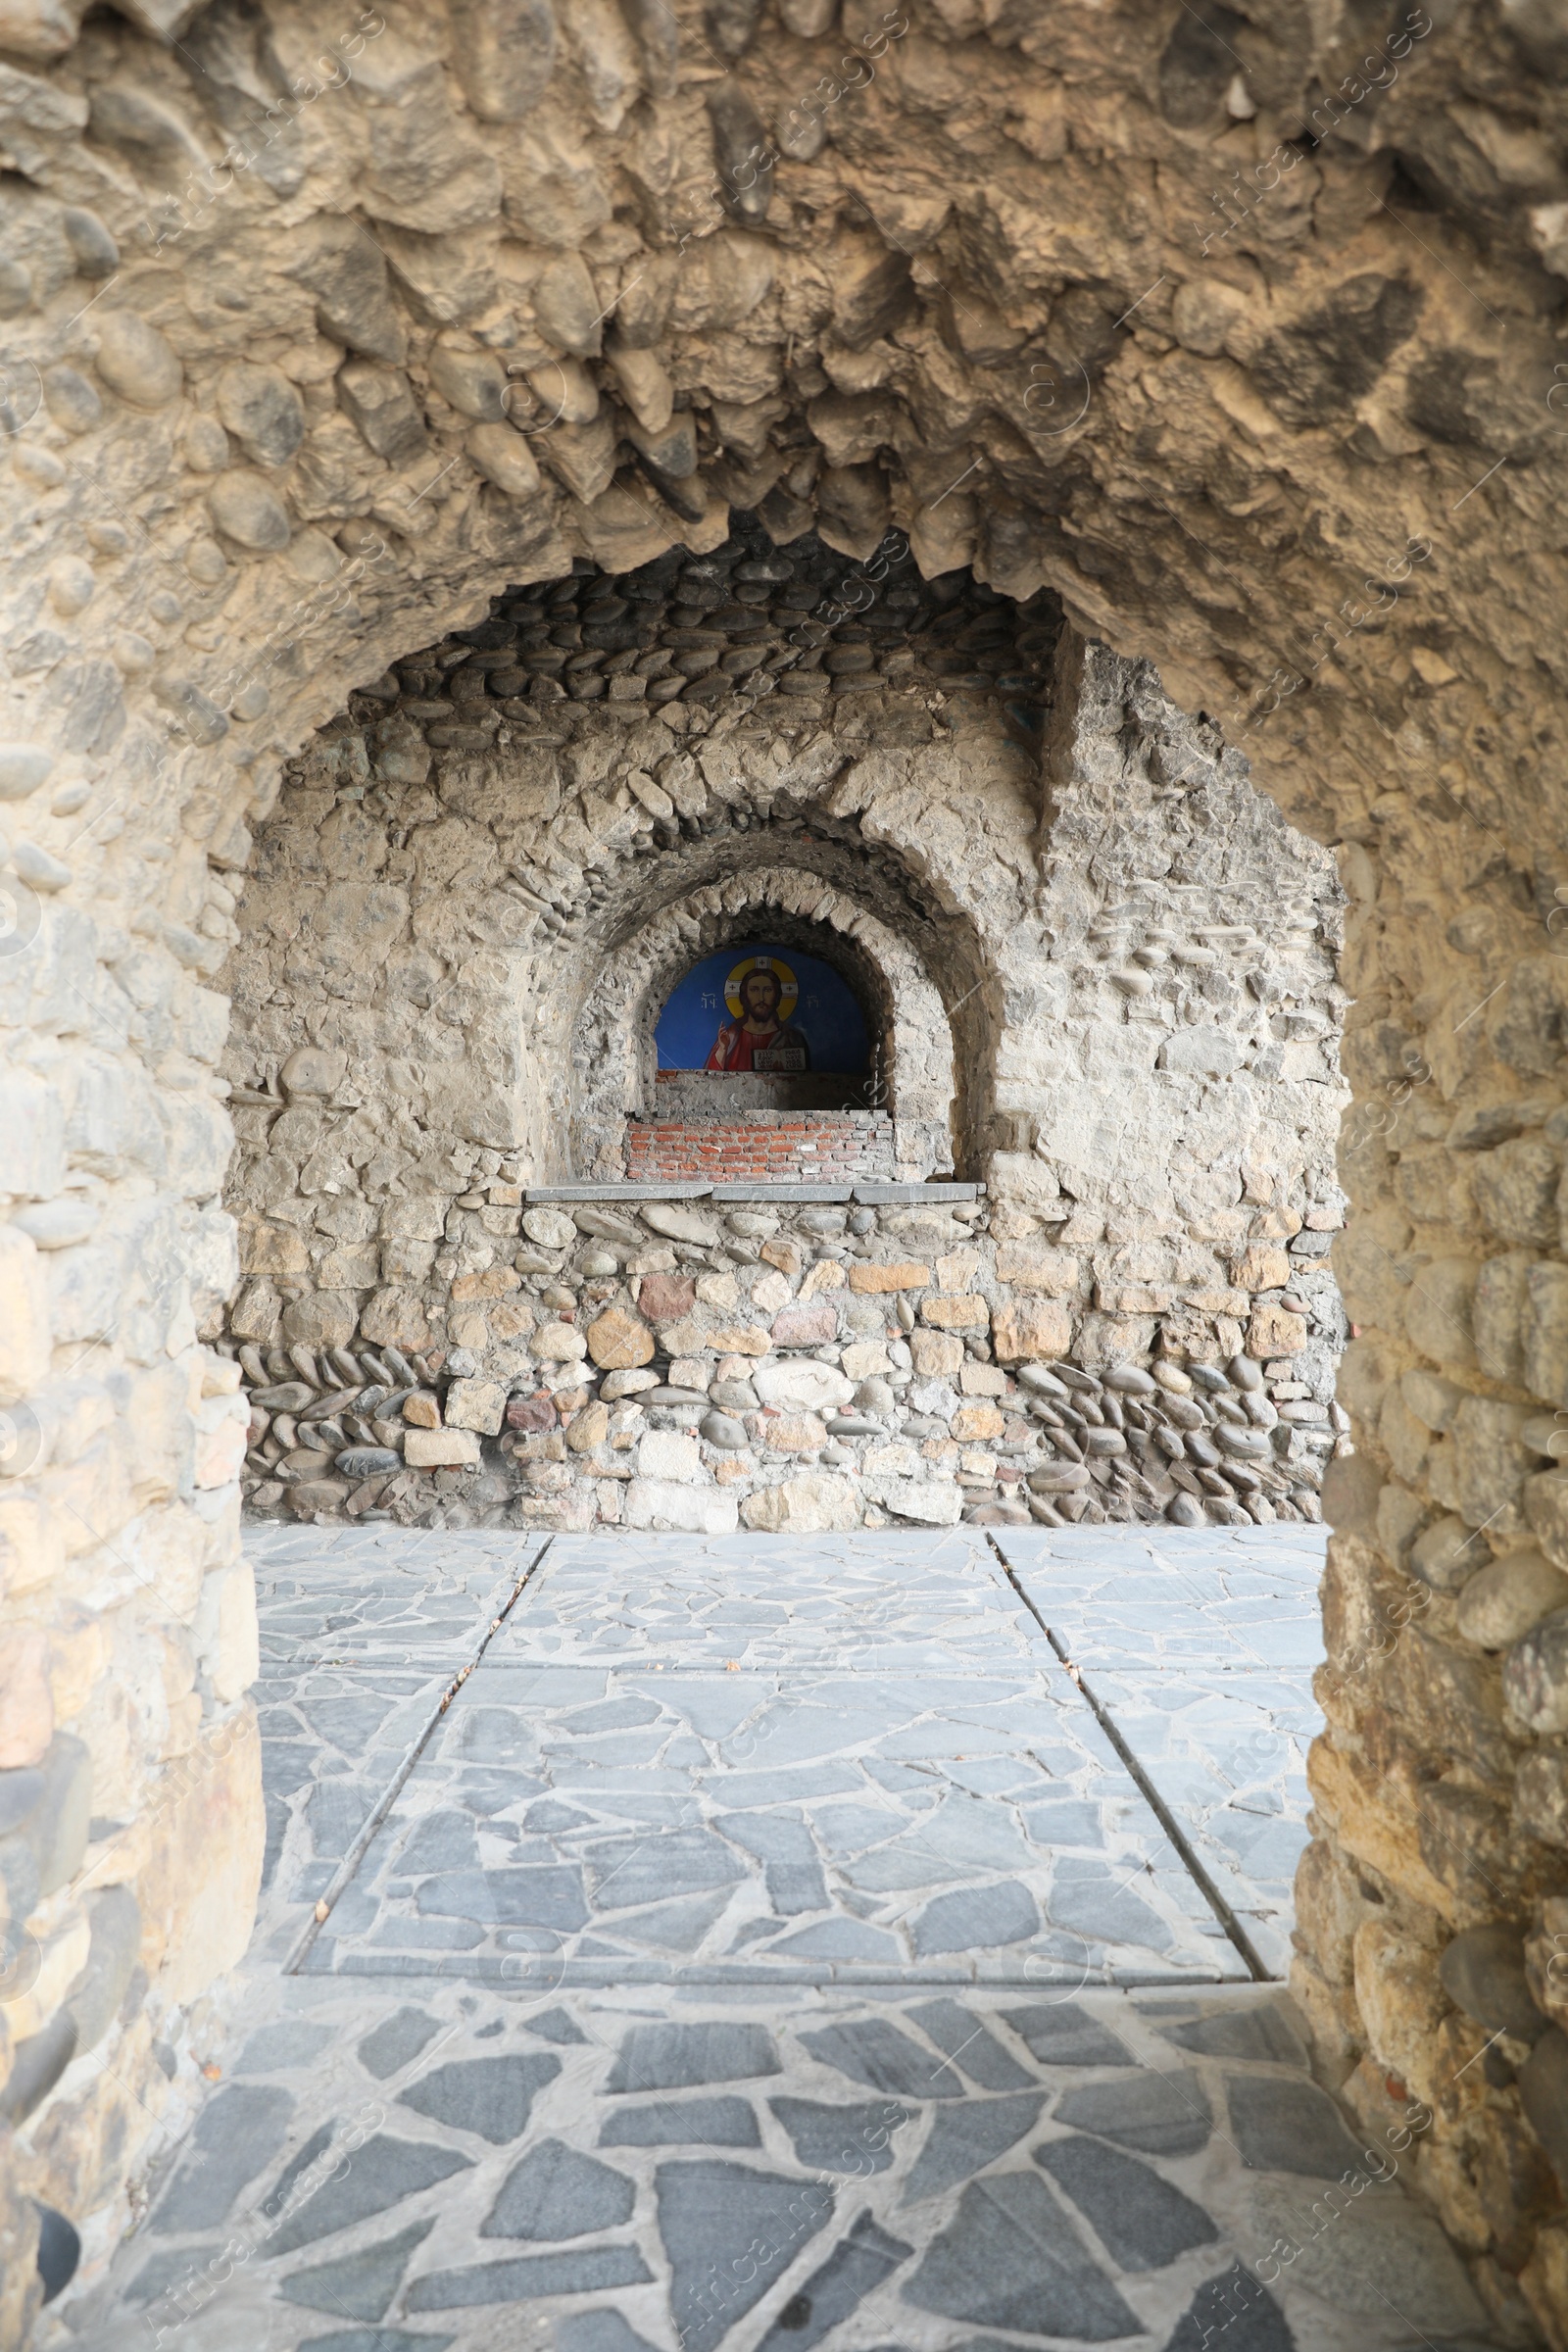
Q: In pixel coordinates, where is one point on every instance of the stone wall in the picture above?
(785, 1358)
(1102, 967)
(1298, 443)
(813, 1145)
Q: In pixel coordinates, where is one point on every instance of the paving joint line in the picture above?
(1151, 1794)
(348, 1868)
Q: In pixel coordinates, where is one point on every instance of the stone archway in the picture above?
(1304, 460)
(613, 1053)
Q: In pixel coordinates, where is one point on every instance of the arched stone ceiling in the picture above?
(1204, 320)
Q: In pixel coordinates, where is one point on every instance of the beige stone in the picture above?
(788, 1433)
(863, 1358)
(197, 1890)
(741, 1338)
(956, 1314)
(904, 1275)
(1028, 1268)
(588, 1428)
(559, 1343)
(769, 1293)
(959, 1269)
(422, 1410)
(981, 1380)
(619, 1342)
(235, 1661)
(825, 1275)
(23, 1316)
(977, 1421)
(1275, 1331)
(813, 1502)
(441, 1449)
(937, 1354)
(1261, 1269)
(476, 1405)
(27, 1701)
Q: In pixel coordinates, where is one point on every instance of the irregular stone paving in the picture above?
(1201, 1651)
(825, 1760)
(420, 2147)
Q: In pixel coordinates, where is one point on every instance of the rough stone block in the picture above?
(26, 1702)
(975, 1423)
(441, 1449)
(1024, 1330)
(808, 1505)
(654, 1502)
(804, 1327)
(666, 1298)
(559, 1343)
(938, 1355)
(905, 1275)
(961, 1313)
(1028, 1268)
(805, 1385)
(1274, 1331)
(668, 1454)
(23, 1316)
(476, 1405)
(864, 1359)
(930, 1502)
(198, 1888)
(619, 1342)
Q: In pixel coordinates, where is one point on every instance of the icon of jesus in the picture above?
(759, 1038)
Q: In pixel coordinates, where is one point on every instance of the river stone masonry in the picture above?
(707, 1360)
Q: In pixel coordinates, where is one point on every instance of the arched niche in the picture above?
(613, 1056)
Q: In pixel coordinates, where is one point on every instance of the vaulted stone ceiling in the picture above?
(1239, 330)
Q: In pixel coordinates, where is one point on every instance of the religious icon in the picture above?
(760, 994)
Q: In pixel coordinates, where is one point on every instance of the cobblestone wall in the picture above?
(705, 1361)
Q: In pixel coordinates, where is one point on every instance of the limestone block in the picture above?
(476, 1405)
(787, 1433)
(960, 1313)
(958, 1270)
(1437, 1309)
(619, 1342)
(930, 1502)
(1497, 1316)
(23, 1316)
(1274, 1331)
(668, 1454)
(982, 1380)
(1503, 1601)
(937, 1354)
(1023, 1330)
(1262, 1267)
(223, 1423)
(1489, 1462)
(863, 1359)
(1545, 1332)
(558, 1342)
(904, 1275)
(723, 1290)
(588, 1428)
(740, 1339)
(441, 1449)
(805, 1327)
(825, 1275)
(802, 1384)
(810, 1504)
(977, 1422)
(1028, 1268)
(198, 1887)
(321, 1319)
(666, 1298)
(769, 1293)
(654, 1502)
(31, 1137)
(224, 1632)
(395, 1318)
(422, 1410)
(27, 1701)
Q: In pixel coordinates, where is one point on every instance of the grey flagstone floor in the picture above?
(752, 1941)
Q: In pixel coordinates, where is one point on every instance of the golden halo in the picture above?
(789, 988)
